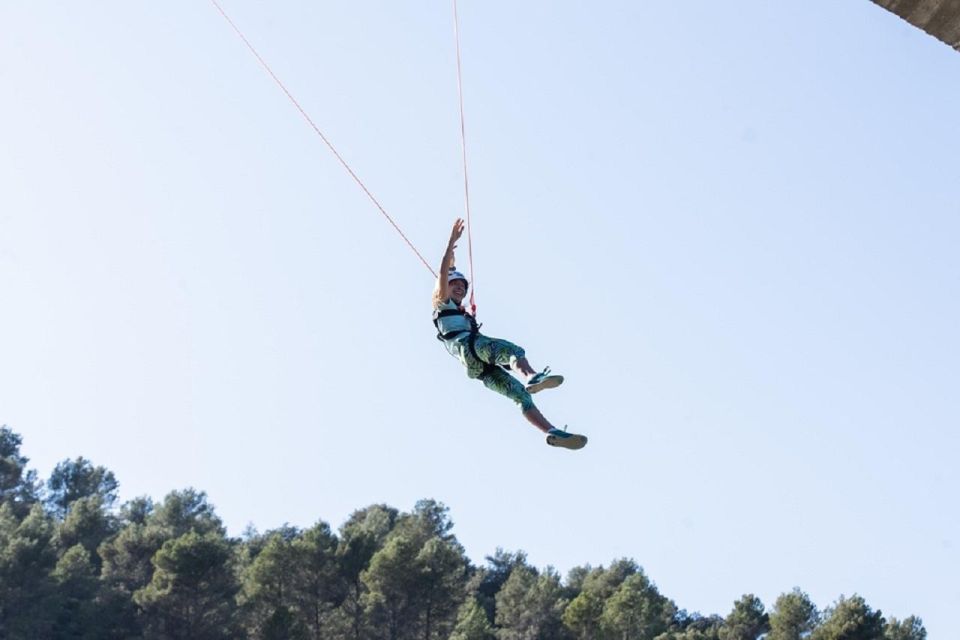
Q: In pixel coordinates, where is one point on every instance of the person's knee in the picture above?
(505, 353)
(522, 397)
(526, 402)
(506, 385)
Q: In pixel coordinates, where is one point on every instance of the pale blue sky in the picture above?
(733, 231)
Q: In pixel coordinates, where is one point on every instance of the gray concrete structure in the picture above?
(939, 18)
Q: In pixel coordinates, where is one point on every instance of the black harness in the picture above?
(471, 339)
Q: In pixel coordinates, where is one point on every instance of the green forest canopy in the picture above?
(75, 564)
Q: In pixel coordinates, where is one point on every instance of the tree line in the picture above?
(76, 564)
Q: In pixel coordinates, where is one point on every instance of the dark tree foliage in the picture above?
(490, 579)
(72, 480)
(694, 627)
(794, 615)
(907, 629)
(850, 619)
(583, 614)
(416, 581)
(76, 611)
(473, 623)
(88, 525)
(530, 606)
(19, 487)
(27, 560)
(361, 537)
(636, 610)
(191, 593)
(294, 584)
(185, 511)
(747, 621)
(73, 565)
(128, 557)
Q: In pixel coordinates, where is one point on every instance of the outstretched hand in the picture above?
(442, 292)
(455, 234)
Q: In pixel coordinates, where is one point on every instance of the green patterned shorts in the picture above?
(501, 353)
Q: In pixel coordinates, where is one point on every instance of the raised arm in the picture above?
(442, 292)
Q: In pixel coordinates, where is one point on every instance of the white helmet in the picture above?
(453, 274)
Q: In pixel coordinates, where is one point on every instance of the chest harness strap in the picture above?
(471, 339)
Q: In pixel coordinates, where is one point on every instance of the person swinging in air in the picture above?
(490, 359)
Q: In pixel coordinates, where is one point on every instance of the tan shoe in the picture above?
(558, 438)
(543, 380)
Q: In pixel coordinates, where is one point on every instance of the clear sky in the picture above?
(731, 226)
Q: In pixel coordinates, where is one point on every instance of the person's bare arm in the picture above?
(442, 290)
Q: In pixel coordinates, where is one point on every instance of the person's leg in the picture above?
(523, 366)
(536, 418)
(503, 383)
(504, 353)
(499, 352)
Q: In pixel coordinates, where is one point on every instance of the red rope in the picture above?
(463, 146)
(320, 133)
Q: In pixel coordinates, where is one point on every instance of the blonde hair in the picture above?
(437, 301)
